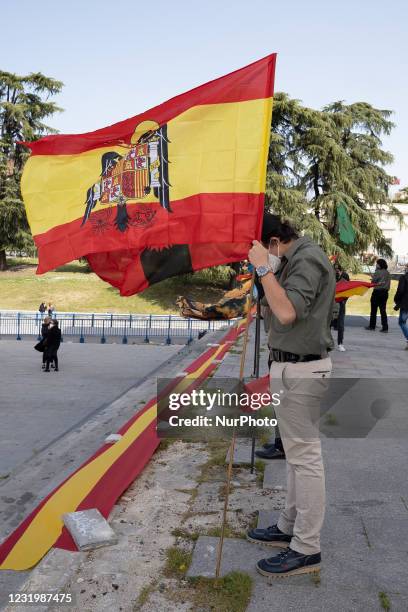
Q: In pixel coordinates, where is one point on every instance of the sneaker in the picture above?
(271, 453)
(270, 445)
(341, 348)
(56, 370)
(46, 370)
(370, 328)
(288, 563)
(271, 536)
(276, 443)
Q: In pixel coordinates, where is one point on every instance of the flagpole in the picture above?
(232, 445)
(255, 374)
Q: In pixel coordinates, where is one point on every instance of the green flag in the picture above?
(344, 226)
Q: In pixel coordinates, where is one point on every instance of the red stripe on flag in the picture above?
(347, 285)
(223, 217)
(117, 479)
(249, 83)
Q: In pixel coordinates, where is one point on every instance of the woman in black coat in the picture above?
(44, 334)
(52, 344)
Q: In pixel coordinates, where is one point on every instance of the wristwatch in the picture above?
(262, 271)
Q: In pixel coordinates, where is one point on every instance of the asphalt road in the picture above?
(36, 408)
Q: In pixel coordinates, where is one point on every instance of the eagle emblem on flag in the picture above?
(128, 178)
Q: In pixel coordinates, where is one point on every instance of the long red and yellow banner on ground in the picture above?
(100, 481)
(177, 188)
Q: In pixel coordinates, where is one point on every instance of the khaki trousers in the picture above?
(302, 386)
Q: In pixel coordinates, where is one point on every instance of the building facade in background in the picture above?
(396, 233)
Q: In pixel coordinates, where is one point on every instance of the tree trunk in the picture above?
(3, 260)
(316, 190)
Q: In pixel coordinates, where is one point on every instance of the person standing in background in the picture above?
(379, 296)
(51, 309)
(44, 334)
(338, 324)
(52, 344)
(42, 308)
(401, 304)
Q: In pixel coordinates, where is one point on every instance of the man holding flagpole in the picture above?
(299, 285)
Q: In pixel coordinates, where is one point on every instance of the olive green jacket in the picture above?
(382, 278)
(308, 278)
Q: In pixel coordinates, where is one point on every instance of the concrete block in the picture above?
(89, 529)
(275, 474)
(113, 438)
(238, 555)
(242, 452)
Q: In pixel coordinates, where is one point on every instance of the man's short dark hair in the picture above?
(381, 263)
(273, 226)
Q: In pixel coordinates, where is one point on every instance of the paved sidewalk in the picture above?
(365, 537)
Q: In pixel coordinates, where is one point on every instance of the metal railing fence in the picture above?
(103, 326)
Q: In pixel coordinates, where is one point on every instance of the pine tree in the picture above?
(325, 162)
(24, 104)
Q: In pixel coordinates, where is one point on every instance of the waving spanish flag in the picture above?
(177, 188)
(346, 289)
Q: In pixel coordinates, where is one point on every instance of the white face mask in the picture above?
(274, 261)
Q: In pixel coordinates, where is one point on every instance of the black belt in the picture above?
(278, 355)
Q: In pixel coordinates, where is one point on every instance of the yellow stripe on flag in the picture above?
(215, 148)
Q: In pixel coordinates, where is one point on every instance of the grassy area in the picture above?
(232, 592)
(177, 562)
(72, 288)
(384, 600)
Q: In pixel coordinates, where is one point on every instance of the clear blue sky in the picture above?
(121, 57)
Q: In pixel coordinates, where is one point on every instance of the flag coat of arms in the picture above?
(175, 189)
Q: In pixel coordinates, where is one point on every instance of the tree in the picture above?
(24, 104)
(323, 162)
